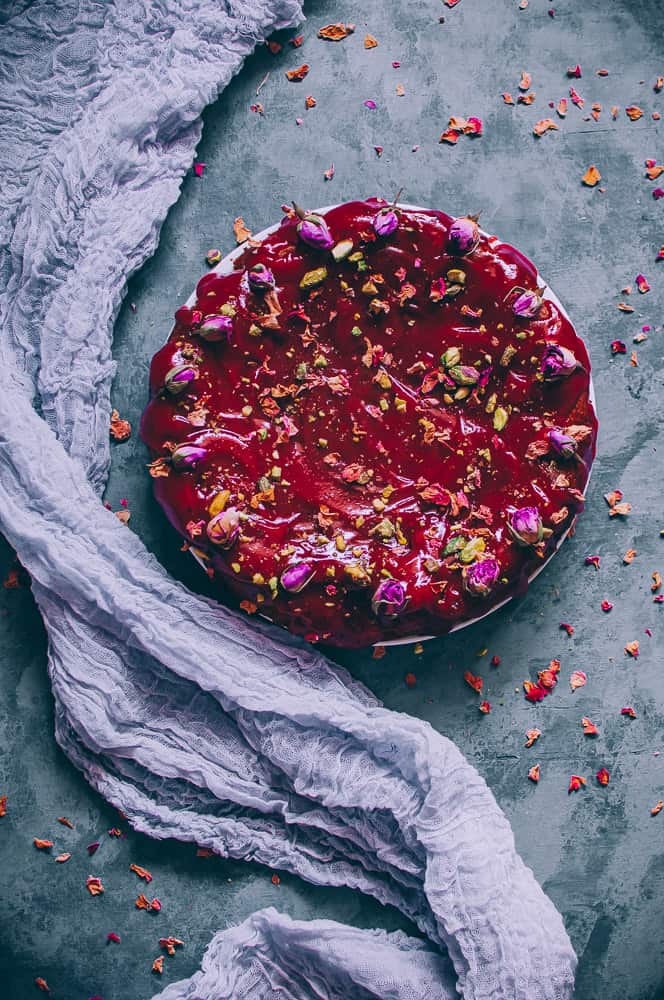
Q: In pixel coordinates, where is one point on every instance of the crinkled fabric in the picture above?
(198, 723)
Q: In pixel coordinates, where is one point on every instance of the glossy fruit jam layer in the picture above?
(380, 435)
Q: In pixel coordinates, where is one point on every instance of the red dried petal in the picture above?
(534, 773)
(575, 783)
(485, 707)
(42, 845)
(141, 872)
(474, 682)
(589, 728)
(602, 776)
(532, 736)
(628, 711)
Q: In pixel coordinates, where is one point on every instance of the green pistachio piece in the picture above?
(312, 279)
(356, 331)
(341, 250)
(455, 544)
(456, 276)
(471, 550)
(500, 417)
(452, 356)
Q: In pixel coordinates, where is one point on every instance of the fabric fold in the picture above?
(198, 723)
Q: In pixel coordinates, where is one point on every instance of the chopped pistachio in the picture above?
(356, 331)
(228, 309)
(320, 361)
(369, 288)
(340, 543)
(258, 579)
(472, 550)
(400, 404)
(379, 505)
(312, 279)
(247, 411)
(301, 371)
(491, 403)
(500, 418)
(456, 276)
(262, 433)
(342, 249)
(255, 330)
(322, 442)
(275, 472)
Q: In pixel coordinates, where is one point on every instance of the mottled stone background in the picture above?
(598, 853)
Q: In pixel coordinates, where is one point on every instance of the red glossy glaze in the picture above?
(360, 432)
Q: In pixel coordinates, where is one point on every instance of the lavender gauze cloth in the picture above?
(197, 723)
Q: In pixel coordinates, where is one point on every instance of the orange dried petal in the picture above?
(602, 776)
(297, 75)
(335, 32)
(3, 805)
(61, 858)
(94, 886)
(42, 845)
(589, 728)
(158, 965)
(41, 984)
(120, 429)
(370, 42)
(577, 679)
(534, 773)
(633, 112)
(532, 735)
(591, 177)
(575, 783)
(525, 81)
(629, 556)
(474, 682)
(141, 872)
(657, 808)
(632, 649)
(507, 98)
(240, 230)
(544, 125)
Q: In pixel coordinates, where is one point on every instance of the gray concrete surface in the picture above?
(598, 853)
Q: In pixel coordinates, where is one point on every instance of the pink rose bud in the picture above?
(527, 305)
(389, 599)
(481, 577)
(526, 526)
(386, 221)
(296, 577)
(557, 362)
(260, 279)
(312, 230)
(216, 328)
(464, 374)
(185, 456)
(563, 444)
(179, 379)
(224, 528)
(463, 237)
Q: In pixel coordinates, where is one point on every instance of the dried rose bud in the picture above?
(464, 374)
(260, 279)
(527, 304)
(557, 362)
(526, 526)
(179, 379)
(213, 257)
(187, 455)
(464, 235)
(389, 599)
(224, 528)
(386, 221)
(312, 229)
(296, 577)
(215, 328)
(563, 444)
(481, 577)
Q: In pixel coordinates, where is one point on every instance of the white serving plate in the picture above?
(225, 266)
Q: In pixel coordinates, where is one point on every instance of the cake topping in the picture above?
(382, 433)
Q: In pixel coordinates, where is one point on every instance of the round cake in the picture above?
(374, 422)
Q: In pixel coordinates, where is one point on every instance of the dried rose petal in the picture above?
(589, 728)
(532, 736)
(158, 965)
(410, 680)
(41, 984)
(474, 682)
(592, 561)
(112, 936)
(94, 886)
(534, 773)
(61, 858)
(606, 606)
(485, 707)
(657, 808)
(120, 430)
(575, 783)
(602, 776)
(42, 845)
(633, 112)
(591, 177)
(141, 872)
(632, 649)
(578, 679)
(297, 75)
